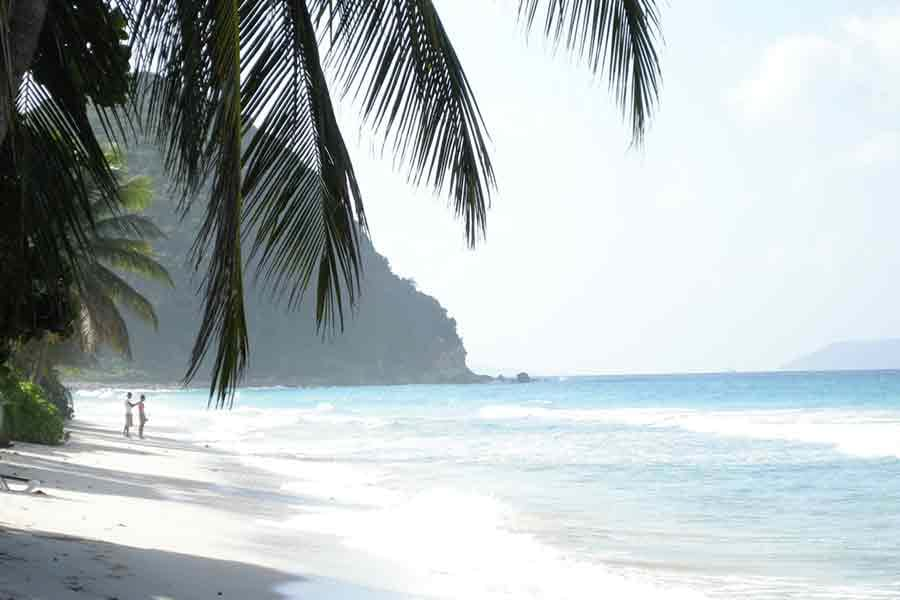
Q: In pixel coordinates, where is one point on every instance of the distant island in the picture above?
(860, 355)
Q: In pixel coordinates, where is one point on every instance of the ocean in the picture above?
(720, 486)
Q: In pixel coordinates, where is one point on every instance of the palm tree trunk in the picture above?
(21, 33)
(38, 368)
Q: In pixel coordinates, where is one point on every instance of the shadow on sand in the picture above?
(40, 565)
(51, 466)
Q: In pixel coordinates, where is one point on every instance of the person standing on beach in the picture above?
(128, 418)
(142, 417)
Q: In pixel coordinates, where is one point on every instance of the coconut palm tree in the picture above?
(119, 244)
(221, 67)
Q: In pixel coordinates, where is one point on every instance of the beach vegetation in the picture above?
(118, 246)
(57, 58)
(28, 416)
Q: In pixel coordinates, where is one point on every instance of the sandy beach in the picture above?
(467, 492)
(159, 518)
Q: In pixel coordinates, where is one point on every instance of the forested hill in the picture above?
(396, 335)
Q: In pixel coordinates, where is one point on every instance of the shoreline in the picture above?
(430, 493)
(136, 380)
(163, 518)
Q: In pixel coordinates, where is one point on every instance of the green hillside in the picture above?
(396, 335)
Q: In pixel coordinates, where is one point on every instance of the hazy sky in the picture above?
(758, 222)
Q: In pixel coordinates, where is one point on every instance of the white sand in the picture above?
(161, 519)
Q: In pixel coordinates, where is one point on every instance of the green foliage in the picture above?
(35, 358)
(41, 302)
(118, 242)
(397, 335)
(224, 66)
(84, 48)
(57, 393)
(49, 154)
(28, 415)
(96, 294)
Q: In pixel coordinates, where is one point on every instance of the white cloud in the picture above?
(799, 74)
(786, 70)
(881, 148)
(880, 33)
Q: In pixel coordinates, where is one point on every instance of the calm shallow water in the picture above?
(710, 486)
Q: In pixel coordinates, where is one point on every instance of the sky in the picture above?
(757, 223)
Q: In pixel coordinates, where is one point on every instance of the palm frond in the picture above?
(57, 161)
(60, 169)
(134, 195)
(123, 294)
(222, 67)
(297, 191)
(303, 199)
(131, 256)
(198, 46)
(120, 241)
(178, 93)
(616, 37)
(129, 225)
(397, 58)
(100, 320)
(20, 26)
(87, 330)
(223, 317)
(8, 84)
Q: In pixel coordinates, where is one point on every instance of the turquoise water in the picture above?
(703, 486)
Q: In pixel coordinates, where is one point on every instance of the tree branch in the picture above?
(26, 20)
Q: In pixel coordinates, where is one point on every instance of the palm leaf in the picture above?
(20, 26)
(119, 240)
(303, 199)
(397, 58)
(59, 169)
(224, 66)
(129, 225)
(133, 195)
(124, 295)
(100, 319)
(62, 163)
(136, 194)
(198, 46)
(8, 84)
(131, 256)
(616, 37)
(88, 331)
(299, 193)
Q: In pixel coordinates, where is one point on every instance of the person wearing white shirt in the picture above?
(129, 419)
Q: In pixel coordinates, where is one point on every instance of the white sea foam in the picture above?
(861, 433)
(463, 545)
(349, 484)
(463, 541)
(334, 590)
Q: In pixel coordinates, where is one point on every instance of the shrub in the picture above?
(28, 415)
(57, 394)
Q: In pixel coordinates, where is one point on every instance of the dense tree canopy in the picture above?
(59, 57)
